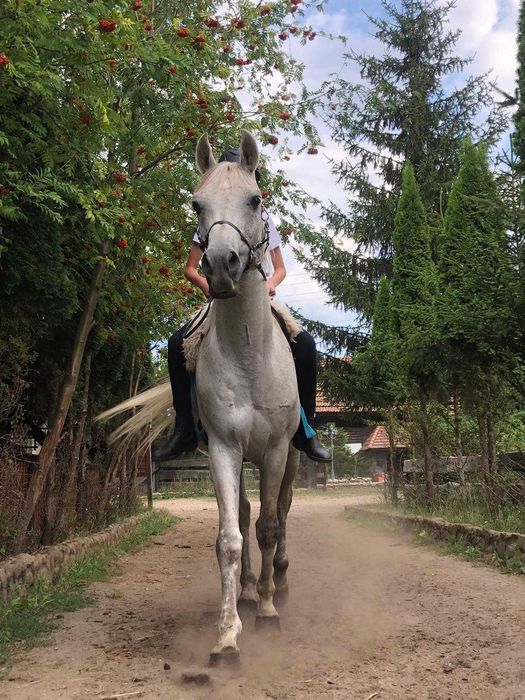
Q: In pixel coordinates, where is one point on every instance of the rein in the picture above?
(253, 248)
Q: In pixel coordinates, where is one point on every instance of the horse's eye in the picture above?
(255, 201)
(196, 207)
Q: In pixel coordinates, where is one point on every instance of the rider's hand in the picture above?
(271, 287)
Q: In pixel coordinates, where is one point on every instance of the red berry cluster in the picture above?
(183, 32)
(3, 59)
(265, 10)
(122, 243)
(136, 5)
(107, 25)
(164, 271)
(119, 177)
(212, 23)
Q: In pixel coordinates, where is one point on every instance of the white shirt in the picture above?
(274, 242)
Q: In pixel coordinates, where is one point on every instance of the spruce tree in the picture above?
(406, 108)
(414, 287)
(476, 311)
(519, 117)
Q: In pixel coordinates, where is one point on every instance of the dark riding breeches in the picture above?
(304, 355)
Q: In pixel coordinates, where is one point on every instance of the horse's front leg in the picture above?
(280, 560)
(267, 529)
(248, 597)
(225, 467)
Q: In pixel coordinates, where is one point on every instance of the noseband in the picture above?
(252, 248)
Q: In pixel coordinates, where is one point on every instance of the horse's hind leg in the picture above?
(280, 560)
(248, 597)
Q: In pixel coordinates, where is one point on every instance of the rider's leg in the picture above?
(183, 438)
(305, 356)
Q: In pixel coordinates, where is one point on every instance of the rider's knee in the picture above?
(305, 342)
(175, 342)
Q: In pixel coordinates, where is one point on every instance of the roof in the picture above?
(324, 405)
(378, 440)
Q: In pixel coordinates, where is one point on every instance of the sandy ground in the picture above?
(370, 615)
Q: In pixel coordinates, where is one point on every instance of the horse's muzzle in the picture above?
(222, 272)
(228, 294)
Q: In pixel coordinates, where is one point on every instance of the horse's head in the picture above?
(228, 204)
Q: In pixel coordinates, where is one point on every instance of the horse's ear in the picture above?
(249, 151)
(203, 155)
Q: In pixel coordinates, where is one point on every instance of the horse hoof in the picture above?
(246, 605)
(270, 623)
(225, 659)
(280, 597)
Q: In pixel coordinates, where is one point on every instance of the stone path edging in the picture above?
(22, 570)
(507, 545)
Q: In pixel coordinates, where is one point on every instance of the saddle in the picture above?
(199, 327)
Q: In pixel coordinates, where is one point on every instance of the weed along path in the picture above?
(370, 615)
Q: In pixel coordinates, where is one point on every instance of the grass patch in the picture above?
(27, 616)
(509, 518)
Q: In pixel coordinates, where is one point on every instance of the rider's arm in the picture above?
(279, 270)
(191, 272)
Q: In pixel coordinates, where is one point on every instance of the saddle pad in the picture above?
(201, 323)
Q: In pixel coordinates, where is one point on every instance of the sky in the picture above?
(488, 36)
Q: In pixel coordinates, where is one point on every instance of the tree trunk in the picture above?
(457, 438)
(392, 476)
(483, 443)
(106, 488)
(68, 509)
(429, 466)
(67, 388)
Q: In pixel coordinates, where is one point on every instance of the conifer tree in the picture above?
(377, 371)
(519, 117)
(404, 109)
(476, 318)
(413, 307)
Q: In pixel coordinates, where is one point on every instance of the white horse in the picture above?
(246, 390)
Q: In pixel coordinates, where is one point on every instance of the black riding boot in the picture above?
(305, 357)
(183, 438)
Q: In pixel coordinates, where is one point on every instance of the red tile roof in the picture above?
(378, 440)
(324, 405)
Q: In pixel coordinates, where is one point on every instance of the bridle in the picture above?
(253, 248)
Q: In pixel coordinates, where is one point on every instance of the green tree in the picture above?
(413, 302)
(378, 372)
(100, 108)
(477, 299)
(405, 108)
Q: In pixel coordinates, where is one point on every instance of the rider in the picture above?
(303, 350)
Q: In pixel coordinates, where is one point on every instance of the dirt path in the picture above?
(368, 614)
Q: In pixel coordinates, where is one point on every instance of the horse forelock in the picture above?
(226, 176)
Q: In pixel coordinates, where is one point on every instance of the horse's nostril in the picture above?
(234, 264)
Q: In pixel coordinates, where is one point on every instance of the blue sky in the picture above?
(488, 35)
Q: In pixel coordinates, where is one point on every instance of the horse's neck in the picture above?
(244, 323)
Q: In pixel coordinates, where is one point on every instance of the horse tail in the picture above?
(154, 413)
